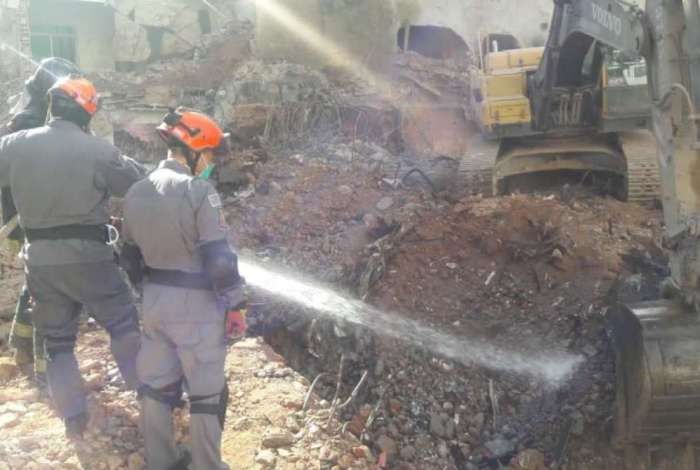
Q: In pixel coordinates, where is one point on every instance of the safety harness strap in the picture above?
(170, 395)
(98, 233)
(52, 351)
(216, 409)
(182, 279)
(128, 324)
(205, 408)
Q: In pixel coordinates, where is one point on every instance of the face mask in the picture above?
(207, 172)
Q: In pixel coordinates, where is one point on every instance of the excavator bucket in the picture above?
(658, 373)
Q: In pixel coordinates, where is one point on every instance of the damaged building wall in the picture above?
(91, 25)
(286, 30)
(367, 29)
(529, 21)
(149, 30)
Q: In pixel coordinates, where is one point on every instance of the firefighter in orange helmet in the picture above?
(62, 178)
(175, 235)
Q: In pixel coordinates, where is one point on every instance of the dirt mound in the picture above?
(524, 273)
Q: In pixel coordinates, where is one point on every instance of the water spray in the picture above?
(5, 46)
(554, 368)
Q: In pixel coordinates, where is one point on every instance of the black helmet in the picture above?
(49, 71)
(33, 114)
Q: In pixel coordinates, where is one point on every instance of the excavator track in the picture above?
(477, 168)
(643, 175)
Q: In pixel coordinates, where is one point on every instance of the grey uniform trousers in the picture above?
(59, 291)
(183, 340)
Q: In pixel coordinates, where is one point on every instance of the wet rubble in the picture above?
(516, 270)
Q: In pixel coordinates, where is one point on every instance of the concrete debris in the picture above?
(500, 447)
(385, 203)
(530, 460)
(388, 446)
(8, 369)
(266, 458)
(8, 420)
(274, 441)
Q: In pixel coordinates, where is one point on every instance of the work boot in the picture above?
(76, 426)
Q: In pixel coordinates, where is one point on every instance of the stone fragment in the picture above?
(346, 461)
(274, 441)
(478, 420)
(500, 447)
(442, 450)
(385, 203)
(8, 369)
(388, 446)
(530, 459)
(266, 458)
(292, 424)
(7, 420)
(327, 454)
(114, 462)
(408, 453)
(437, 426)
(362, 452)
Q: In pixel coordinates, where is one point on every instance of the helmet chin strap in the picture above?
(48, 110)
(192, 162)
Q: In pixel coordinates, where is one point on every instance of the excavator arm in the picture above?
(657, 343)
(673, 58)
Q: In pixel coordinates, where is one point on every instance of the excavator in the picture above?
(657, 343)
(593, 129)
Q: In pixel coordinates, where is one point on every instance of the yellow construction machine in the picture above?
(657, 343)
(593, 128)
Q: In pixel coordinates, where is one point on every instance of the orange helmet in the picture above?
(79, 90)
(196, 131)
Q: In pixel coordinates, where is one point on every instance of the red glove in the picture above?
(235, 325)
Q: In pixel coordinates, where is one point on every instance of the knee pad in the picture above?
(217, 409)
(127, 324)
(54, 345)
(170, 395)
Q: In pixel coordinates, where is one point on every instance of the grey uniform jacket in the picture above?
(60, 175)
(170, 214)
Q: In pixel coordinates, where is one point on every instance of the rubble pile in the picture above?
(432, 95)
(434, 76)
(266, 425)
(532, 273)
